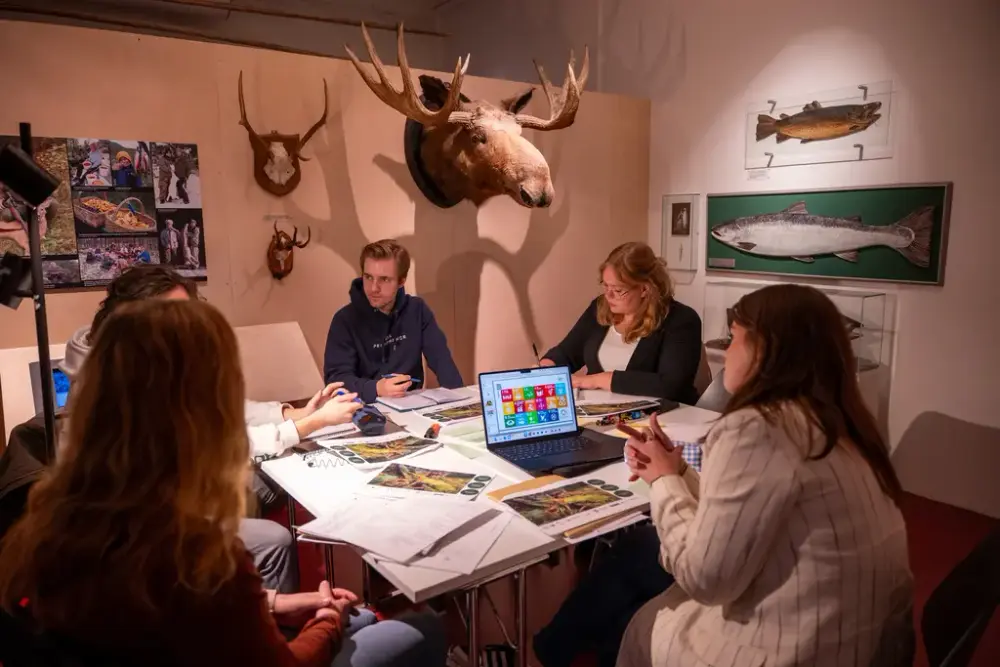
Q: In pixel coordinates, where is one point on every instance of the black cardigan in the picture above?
(664, 363)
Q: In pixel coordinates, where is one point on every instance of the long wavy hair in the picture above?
(151, 484)
(637, 265)
(802, 354)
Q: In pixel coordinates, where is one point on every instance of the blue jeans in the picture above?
(594, 616)
(410, 640)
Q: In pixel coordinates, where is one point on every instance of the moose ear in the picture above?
(518, 102)
(435, 91)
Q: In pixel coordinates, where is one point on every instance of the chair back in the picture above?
(703, 376)
(715, 397)
(959, 610)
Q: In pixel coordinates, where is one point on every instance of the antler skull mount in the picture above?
(473, 149)
(276, 156)
(280, 252)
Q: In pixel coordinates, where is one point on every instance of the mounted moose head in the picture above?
(276, 156)
(474, 149)
(280, 257)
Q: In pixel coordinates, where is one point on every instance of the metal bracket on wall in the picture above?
(865, 90)
(770, 159)
(861, 151)
(773, 104)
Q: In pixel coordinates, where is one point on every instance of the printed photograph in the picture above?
(181, 235)
(131, 164)
(113, 212)
(382, 452)
(598, 409)
(104, 258)
(89, 163)
(401, 476)
(59, 273)
(456, 413)
(680, 219)
(55, 215)
(176, 176)
(559, 503)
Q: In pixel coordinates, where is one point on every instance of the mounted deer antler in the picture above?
(276, 156)
(460, 149)
(280, 252)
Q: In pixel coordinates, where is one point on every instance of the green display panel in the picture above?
(885, 233)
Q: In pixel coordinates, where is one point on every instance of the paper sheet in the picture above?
(373, 452)
(686, 432)
(339, 429)
(571, 503)
(405, 479)
(396, 529)
(463, 549)
(454, 412)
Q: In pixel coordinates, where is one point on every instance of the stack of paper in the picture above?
(400, 531)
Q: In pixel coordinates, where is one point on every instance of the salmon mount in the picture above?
(280, 252)
(457, 148)
(818, 123)
(276, 156)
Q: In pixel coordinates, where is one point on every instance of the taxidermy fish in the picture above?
(815, 122)
(798, 234)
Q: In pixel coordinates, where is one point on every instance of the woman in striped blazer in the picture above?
(789, 549)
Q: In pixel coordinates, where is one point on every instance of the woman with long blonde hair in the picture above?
(634, 338)
(129, 547)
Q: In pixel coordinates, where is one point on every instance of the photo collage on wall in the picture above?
(119, 203)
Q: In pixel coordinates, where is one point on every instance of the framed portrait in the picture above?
(679, 231)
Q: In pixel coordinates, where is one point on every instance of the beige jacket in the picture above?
(779, 560)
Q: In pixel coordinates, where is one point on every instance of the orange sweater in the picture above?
(232, 627)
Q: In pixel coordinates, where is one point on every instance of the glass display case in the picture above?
(864, 316)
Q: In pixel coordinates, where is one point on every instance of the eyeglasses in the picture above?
(616, 292)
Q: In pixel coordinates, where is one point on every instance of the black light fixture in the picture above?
(20, 277)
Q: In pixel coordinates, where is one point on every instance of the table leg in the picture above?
(328, 564)
(290, 507)
(473, 603)
(521, 619)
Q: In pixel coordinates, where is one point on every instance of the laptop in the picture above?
(530, 419)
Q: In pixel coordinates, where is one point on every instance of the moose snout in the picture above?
(540, 200)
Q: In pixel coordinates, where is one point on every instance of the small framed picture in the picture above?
(679, 231)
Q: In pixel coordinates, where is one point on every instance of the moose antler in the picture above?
(563, 104)
(408, 102)
(295, 236)
(319, 124)
(243, 116)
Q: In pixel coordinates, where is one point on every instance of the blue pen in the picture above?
(357, 399)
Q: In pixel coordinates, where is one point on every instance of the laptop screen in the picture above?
(527, 403)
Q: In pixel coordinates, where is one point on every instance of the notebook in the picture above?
(423, 398)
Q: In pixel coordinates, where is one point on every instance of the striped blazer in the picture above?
(779, 560)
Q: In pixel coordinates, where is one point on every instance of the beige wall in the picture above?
(942, 60)
(497, 278)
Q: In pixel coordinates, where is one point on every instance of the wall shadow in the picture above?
(458, 272)
(952, 461)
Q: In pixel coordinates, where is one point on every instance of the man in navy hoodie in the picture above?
(384, 331)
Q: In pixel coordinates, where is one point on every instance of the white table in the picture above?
(520, 546)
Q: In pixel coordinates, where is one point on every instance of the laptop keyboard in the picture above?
(534, 450)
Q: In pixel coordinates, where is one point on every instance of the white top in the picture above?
(614, 353)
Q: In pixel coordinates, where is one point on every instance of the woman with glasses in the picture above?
(634, 338)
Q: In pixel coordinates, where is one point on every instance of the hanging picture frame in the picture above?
(679, 222)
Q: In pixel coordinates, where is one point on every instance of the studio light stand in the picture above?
(20, 277)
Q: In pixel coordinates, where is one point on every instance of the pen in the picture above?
(413, 380)
(535, 350)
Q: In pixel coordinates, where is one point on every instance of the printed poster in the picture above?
(120, 203)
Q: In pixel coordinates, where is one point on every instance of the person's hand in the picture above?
(593, 381)
(653, 455)
(338, 409)
(546, 362)
(315, 403)
(342, 603)
(294, 609)
(394, 385)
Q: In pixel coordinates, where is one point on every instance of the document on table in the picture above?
(337, 430)
(464, 549)
(423, 398)
(395, 529)
(686, 432)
